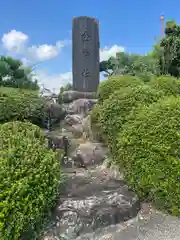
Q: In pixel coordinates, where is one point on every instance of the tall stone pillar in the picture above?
(85, 54)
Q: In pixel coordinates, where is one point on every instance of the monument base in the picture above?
(69, 96)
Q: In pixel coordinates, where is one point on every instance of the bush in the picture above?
(16, 104)
(149, 152)
(95, 125)
(170, 85)
(115, 83)
(95, 113)
(116, 110)
(30, 178)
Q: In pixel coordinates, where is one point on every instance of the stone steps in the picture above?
(152, 226)
(97, 203)
(93, 199)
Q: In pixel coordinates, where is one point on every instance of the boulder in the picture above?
(77, 130)
(159, 226)
(57, 141)
(86, 124)
(81, 106)
(56, 110)
(93, 201)
(69, 96)
(73, 119)
(79, 125)
(90, 153)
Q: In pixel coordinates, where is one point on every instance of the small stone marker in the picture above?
(85, 51)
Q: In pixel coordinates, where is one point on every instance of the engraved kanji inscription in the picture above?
(85, 36)
(85, 73)
(84, 83)
(86, 53)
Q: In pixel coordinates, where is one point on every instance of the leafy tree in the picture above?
(107, 67)
(143, 66)
(67, 87)
(168, 52)
(14, 74)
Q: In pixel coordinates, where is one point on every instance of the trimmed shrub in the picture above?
(149, 152)
(30, 179)
(170, 85)
(16, 104)
(95, 125)
(116, 109)
(95, 113)
(107, 87)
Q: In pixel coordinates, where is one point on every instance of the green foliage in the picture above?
(30, 178)
(170, 85)
(114, 83)
(107, 66)
(14, 74)
(95, 125)
(169, 51)
(17, 104)
(149, 151)
(117, 108)
(142, 66)
(95, 113)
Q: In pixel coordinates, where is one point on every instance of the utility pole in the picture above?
(162, 26)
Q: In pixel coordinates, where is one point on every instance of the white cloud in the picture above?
(44, 52)
(54, 82)
(15, 42)
(25, 61)
(107, 52)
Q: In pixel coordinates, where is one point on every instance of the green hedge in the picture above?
(17, 104)
(30, 178)
(95, 125)
(149, 152)
(170, 85)
(116, 109)
(107, 87)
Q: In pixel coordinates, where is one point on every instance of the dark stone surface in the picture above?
(93, 200)
(158, 227)
(69, 96)
(81, 106)
(90, 153)
(85, 35)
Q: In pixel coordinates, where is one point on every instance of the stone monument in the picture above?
(85, 54)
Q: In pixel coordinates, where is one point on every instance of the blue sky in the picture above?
(39, 31)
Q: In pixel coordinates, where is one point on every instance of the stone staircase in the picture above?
(97, 203)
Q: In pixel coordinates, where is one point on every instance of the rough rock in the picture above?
(90, 153)
(81, 106)
(57, 140)
(92, 200)
(56, 110)
(79, 125)
(86, 124)
(77, 130)
(69, 96)
(97, 204)
(158, 226)
(73, 119)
